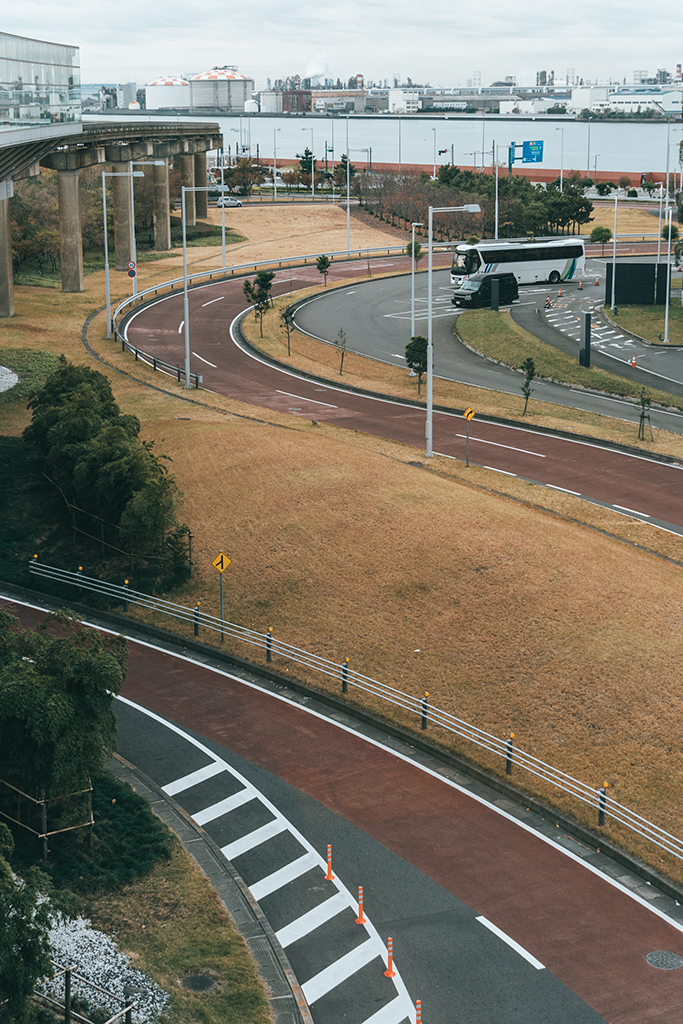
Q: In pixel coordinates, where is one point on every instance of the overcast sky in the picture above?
(439, 43)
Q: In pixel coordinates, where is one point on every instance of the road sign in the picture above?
(532, 152)
(221, 562)
(131, 265)
(468, 414)
(131, 273)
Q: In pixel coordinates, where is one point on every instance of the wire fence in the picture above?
(420, 707)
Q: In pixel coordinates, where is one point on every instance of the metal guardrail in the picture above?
(418, 706)
(242, 269)
(174, 369)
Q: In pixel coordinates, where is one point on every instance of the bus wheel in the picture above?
(554, 277)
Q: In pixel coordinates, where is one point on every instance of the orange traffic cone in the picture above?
(596, 282)
(580, 286)
(633, 360)
(559, 294)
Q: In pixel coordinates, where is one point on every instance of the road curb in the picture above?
(417, 741)
(286, 999)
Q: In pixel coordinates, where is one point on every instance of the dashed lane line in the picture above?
(497, 444)
(301, 398)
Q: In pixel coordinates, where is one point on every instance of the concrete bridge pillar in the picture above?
(123, 242)
(186, 164)
(6, 277)
(162, 208)
(70, 238)
(201, 198)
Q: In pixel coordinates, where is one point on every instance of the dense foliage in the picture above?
(94, 455)
(524, 208)
(57, 688)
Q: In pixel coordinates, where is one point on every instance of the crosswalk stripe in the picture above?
(310, 921)
(397, 1010)
(339, 971)
(255, 838)
(271, 883)
(224, 806)
(194, 778)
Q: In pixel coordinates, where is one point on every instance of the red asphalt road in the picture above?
(592, 936)
(633, 484)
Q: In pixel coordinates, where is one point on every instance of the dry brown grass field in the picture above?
(518, 608)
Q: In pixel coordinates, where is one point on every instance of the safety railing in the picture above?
(241, 269)
(174, 369)
(420, 707)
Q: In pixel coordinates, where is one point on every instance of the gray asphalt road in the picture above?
(462, 971)
(376, 317)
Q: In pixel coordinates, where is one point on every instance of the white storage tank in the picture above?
(168, 93)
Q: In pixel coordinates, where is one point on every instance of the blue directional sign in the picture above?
(532, 152)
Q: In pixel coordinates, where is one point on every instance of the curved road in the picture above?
(495, 916)
(632, 484)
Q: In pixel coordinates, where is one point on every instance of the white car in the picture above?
(228, 201)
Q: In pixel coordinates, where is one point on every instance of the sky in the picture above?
(443, 44)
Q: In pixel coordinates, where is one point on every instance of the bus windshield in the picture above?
(466, 262)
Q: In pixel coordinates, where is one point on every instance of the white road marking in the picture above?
(339, 971)
(223, 806)
(311, 920)
(182, 324)
(392, 1013)
(565, 490)
(524, 451)
(213, 300)
(633, 512)
(301, 398)
(495, 469)
(513, 945)
(197, 356)
(281, 877)
(255, 838)
(193, 779)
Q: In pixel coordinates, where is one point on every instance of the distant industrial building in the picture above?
(220, 91)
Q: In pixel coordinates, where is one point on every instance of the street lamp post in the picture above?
(399, 143)
(134, 253)
(110, 174)
(434, 174)
(659, 231)
(561, 159)
(186, 306)
(415, 224)
(348, 191)
(275, 131)
(614, 256)
(468, 208)
(588, 161)
(668, 278)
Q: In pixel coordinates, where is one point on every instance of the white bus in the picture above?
(559, 260)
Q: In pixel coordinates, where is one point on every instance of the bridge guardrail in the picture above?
(420, 707)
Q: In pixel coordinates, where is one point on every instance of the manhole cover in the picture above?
(200, 982)
(665, 960)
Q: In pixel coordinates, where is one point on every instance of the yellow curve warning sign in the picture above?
(469, 413)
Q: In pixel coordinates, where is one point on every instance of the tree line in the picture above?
(523, 208)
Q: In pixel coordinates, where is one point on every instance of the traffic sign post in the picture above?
(221, 563)
(469, 416)
(131, 268)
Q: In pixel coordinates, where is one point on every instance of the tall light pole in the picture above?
(415, 224)
(434, 174)
(134, 253)
(399, 143)
(110, 174)
(668, 279)
(614, 256)
(659, 232)
(561, 159)
(468, 208)
(186, 305)
(275, 131)
(588, 161)
(348, 191)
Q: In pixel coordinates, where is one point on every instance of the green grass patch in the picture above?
(495, 334)
(31, 366)
(648, 321)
